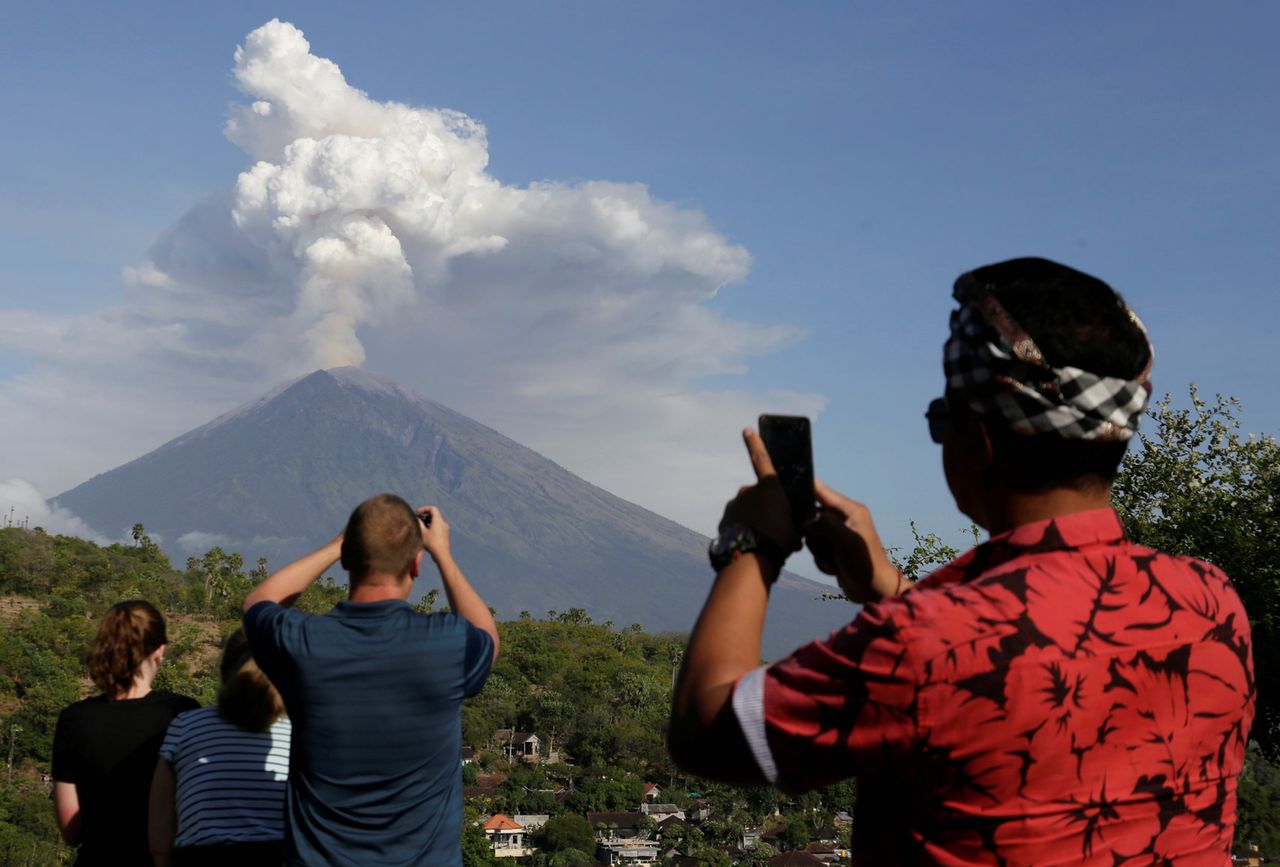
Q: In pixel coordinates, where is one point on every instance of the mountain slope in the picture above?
(278, 476)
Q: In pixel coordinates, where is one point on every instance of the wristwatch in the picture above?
(735, 540)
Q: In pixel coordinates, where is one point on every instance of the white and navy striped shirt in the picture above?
(231, 782)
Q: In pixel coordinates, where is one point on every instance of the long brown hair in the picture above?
(129, 633)
(247, 698)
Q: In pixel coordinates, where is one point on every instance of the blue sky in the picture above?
(862, 154)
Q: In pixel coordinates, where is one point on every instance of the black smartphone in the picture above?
(790, 447)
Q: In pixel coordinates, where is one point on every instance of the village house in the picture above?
(794, 858)
(652, 791)
(518, 746)
(1250, 855)
(659, 812)
(674, 858)
(624, 837)
(530, 821)
(822, 852)
(485, 793)
(619, 826)
(627, 852)
(698, 811)
(667, 824)
(828, 834)
(507, 838)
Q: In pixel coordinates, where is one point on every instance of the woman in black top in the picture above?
(105, 747)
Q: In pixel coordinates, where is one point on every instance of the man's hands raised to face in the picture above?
(844, 543)
(841, 536)
(763, 507)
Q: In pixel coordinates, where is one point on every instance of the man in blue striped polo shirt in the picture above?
(374, 691)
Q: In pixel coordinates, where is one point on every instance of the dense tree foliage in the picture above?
(53, 589)
(601, 694)
(1195, 485)
(476, 851)
(1259, 798)
(569, 831)
(597, 695)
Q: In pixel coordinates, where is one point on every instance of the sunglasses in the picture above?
(937, 415)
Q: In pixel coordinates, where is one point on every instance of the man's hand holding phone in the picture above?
(838, 530)
(844, 543)
(762, 509)
(764, 506)
(435, 532)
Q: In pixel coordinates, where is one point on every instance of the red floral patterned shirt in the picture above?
(1057, 695)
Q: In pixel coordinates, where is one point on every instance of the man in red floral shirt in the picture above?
(1057, 695)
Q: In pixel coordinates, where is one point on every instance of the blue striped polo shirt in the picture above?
(231, 782)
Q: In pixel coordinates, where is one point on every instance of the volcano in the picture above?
(278, 476)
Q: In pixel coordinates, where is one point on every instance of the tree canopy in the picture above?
(1192, 484)
(1196, 485)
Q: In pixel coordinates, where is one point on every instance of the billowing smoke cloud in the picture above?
(356, 210)
(573, 317)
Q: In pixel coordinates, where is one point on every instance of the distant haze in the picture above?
(279, 476)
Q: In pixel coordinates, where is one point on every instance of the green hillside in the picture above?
(52, 591)
(596, 693)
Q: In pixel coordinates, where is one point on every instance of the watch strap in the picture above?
(735, 540)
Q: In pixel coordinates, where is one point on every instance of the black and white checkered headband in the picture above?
(997, 368)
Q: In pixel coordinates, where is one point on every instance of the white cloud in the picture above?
(199, 541)
(573, 317)
(22, 504)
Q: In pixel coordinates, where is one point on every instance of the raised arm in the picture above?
(287, 585)
(704, 736)
(463, 599)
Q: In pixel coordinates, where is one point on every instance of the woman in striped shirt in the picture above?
(218, 795)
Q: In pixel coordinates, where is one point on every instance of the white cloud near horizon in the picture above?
(572, 317)
(22, 504)
(198, 541)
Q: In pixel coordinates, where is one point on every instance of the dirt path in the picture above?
(15, 607)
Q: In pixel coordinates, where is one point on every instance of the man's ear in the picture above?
(415, 567)
(983, 450)
(974, 441)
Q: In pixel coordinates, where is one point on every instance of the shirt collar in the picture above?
(347, 608)
(1062, 533)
